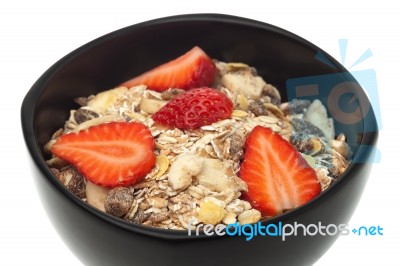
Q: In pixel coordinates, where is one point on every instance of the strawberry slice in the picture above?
(111, 155)
(195, 108)
(277, 176)
(193, 69)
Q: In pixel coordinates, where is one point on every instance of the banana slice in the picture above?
(244, 83)
(216, 176)
(317, 115)
(105, 99)
(183, 169)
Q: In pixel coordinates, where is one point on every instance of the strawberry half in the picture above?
(112, 154)
(191, 70)
(277, 176)
(195, 108)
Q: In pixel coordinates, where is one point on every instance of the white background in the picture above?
(35, 34)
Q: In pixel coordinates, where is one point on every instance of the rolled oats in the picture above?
(196, 173)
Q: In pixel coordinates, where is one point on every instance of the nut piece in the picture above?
(140, 217)
(236, 147)
(323, 177)
(183, 169)
(210, 213)
(96, 195)
(118, 201)
(273, 93)
(339, 144)
(258, 108)
(249, 217)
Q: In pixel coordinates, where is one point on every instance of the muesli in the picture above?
(197, 140)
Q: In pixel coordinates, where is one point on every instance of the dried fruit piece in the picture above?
(307, 144)
(72, 179)
(171, 94)
(210, 212)
(113, 154)
(277, 176)
(118, 201)
(249, 217)
(195, 108)
(305, 127)
(82, 115)
(191, 70)
(295, 106)
(258, 108)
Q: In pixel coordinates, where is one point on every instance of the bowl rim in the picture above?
(28, 110)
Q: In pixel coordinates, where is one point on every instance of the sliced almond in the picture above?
(242, 102)
(163, 163)
(239, 113)
(274, 109)
(151, 106)
(236, 66)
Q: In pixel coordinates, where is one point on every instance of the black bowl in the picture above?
(279, 56)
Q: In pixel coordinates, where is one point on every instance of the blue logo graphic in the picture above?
(351, 97)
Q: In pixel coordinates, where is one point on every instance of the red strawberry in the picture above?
(112, 154)
(277, 176)
(191, 70)
(195, 108)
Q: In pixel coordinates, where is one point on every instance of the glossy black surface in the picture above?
(99, 239)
